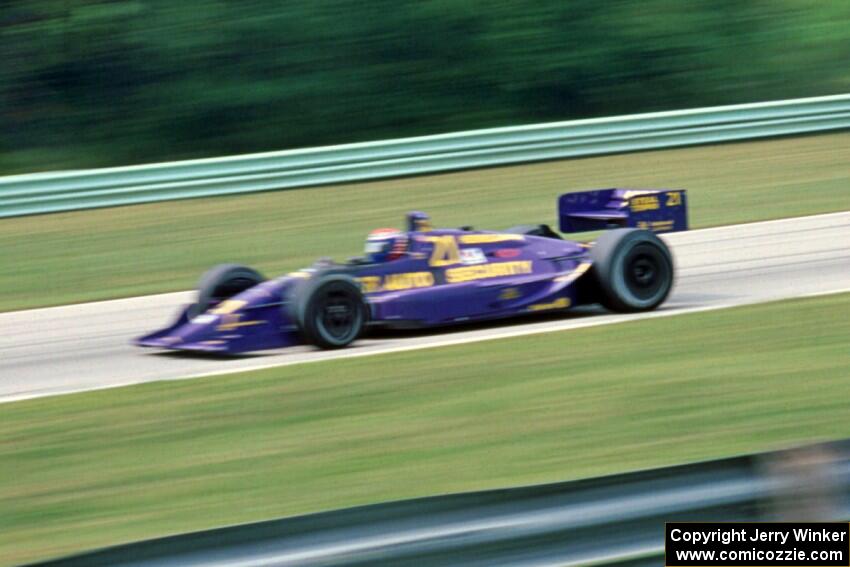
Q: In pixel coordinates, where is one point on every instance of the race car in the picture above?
(426, 277)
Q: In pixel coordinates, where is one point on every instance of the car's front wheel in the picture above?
(633, 269)
(331, 311)
(222, 282)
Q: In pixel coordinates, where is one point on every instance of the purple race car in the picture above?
(424, 277)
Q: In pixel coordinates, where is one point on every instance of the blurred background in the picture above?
(91, 83)
(96, 83)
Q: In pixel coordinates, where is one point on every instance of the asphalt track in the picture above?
(73, 348)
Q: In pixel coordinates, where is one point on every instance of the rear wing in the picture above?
(658, 211)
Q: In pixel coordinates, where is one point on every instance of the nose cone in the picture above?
(250, 321)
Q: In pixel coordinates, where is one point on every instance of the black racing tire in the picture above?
(633, 269)
(330, 310)
(222, 282)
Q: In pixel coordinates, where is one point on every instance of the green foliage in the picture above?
(105, 82)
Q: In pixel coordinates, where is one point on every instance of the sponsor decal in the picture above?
(237, 324)
(472, 256)
(230, 322)
(647, 203)
(396, 282)
(408, 280)
(228, 306)
(489, 238)
(655, 225)
(485, 271)
(447, 252)
(370, 284)
(506, 252)
(674, 199)
(560, 303)
(509, 293)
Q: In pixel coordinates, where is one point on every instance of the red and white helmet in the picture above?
(386, 244)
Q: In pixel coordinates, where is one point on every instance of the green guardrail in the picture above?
(66, 191)
(613, 520)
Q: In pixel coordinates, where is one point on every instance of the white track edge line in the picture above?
(449, 342)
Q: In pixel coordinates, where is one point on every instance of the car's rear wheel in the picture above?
(223, 282)
(633, 269)
(331, 311)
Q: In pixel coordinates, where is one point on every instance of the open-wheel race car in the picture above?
(426, 277)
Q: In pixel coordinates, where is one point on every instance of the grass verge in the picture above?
(92, 469)
(127, 251)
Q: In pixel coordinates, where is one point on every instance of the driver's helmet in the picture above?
(385, 244)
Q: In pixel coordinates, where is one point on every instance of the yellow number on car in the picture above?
(445, 252)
